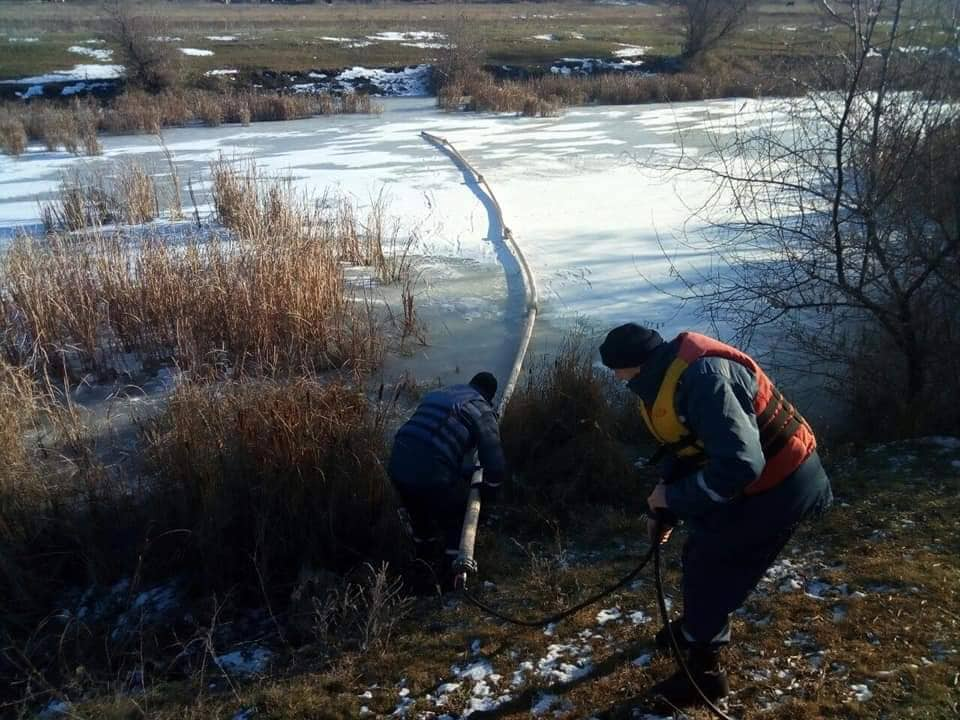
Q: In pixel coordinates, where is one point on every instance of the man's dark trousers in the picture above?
(728, 552)
(434, 496)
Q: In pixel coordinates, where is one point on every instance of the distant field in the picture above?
(36, 36)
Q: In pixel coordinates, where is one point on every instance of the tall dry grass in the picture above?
(127, 195)
(214, 304)
(254, 204)
(547, 95)
(73, 125)
(274, 476)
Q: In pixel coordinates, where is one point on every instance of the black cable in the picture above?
(565, 613)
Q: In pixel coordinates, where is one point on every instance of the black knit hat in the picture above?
(628, 346)
(485, 384)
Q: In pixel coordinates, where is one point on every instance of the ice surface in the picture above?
(587, 195)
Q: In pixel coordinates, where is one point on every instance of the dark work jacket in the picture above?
(715, 400)
(452, 423)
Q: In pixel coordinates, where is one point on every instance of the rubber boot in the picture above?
(704, 665)
(662, 639)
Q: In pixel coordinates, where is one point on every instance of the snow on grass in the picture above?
(630, 51)
(194, 52)
(565, 662)
(474, 671)
(22, 40)
(82, 87)
(244, 662)
(103, 55)
(32, 91)
(55, 709)
(166, 38)
(546, 702)
(413, 81)
(78, 72)
(409, 36)
(608, 615)
(222, 71)
(221, 38)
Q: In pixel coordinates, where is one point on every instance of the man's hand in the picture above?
(658, 498)
(665, 531)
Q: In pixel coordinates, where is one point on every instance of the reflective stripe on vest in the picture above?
(785, 437)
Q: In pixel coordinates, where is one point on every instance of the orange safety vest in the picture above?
(785, 437)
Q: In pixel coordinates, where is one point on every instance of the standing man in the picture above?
(741, 470)
(432, 463)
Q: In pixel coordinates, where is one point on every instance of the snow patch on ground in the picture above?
(223, 71)
(474, 671)
(23, 39)
(245, 662)
(629, 51)
(408, 36)
(78, 72)
(861, 693)
(409, 82)
(83, 87)
(221, 38)
(103, 55)
(608, 615)
(195, 52)
(565, 663)
(55, 709)
(546, 702)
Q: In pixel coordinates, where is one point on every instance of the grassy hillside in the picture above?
(858, 619)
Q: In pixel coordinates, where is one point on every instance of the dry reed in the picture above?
(283, 474)
(74, 125)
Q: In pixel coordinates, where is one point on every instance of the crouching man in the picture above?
(432, 462)
(741, 470)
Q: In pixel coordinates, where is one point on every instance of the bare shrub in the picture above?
(560, 432)
(710, 22)
(847, 212)
(462, 58)
(151, 64)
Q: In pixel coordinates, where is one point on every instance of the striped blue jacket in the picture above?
(455, 421)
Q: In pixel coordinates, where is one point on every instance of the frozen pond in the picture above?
(581, 193)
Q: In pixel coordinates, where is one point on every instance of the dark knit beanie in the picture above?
(628, 346)
(485, 384)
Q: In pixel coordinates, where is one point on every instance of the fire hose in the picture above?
(465, 564)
